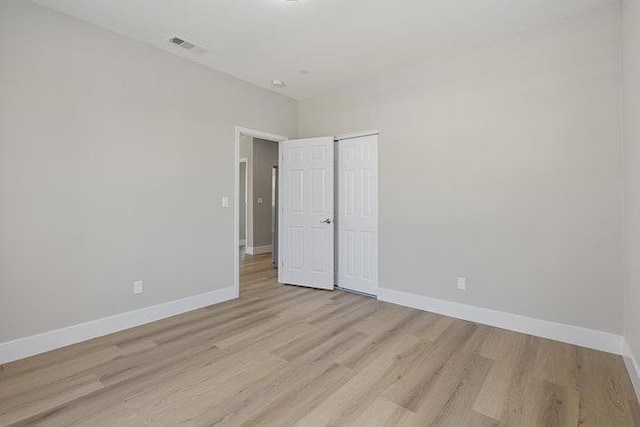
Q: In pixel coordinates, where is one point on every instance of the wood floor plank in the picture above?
(378, 343)
(348, 403)
(421, 373)
(260, 396)
(555, 362)
(112, 399)
(447, 398)
(603, 385)
(492, 397)
(290, 407)
(186, 396)
(270, 335)
(383, 413)
(44, 399)
(32, 380)
(285, 355)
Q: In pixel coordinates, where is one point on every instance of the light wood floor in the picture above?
(284, 355)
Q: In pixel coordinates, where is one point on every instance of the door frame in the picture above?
(251, 133)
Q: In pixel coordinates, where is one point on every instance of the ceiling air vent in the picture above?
(187, 45)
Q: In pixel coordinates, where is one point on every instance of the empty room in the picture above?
(320, 213)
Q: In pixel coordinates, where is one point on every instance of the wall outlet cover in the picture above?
(462, 283)
(137, 287)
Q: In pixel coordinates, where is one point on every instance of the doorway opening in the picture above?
(255, 200)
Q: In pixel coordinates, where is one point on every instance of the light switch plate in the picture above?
(462, 283)
(225, 202)
(260, 200)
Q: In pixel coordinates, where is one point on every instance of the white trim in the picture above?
(259, 250)
(633, 367)
(243, 242)
(40, 343)
(356, 134)
(590, 338)
(252, 133)
(236, 193)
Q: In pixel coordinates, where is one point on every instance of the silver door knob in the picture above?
(326, 221)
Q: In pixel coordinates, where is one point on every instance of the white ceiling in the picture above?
(337, 41)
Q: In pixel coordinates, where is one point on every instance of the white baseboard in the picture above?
(259, 250)
(40, 343)
(631, 362)
(590, 338)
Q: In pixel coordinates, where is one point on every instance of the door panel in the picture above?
(357, 225)
(306, 216)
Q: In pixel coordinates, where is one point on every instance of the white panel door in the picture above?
(306, 233)
(357, 225)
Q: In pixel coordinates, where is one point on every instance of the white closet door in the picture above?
(358, 214)
(306, 203)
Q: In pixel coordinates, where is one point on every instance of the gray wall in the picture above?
(631, 69)
(265, 156)
(114, 156)
(501, 163)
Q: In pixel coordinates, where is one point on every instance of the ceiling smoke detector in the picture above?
(278, 83)
(187, 45)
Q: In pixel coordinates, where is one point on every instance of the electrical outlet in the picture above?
(137, 287)
(462, 283)
(225, 202)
